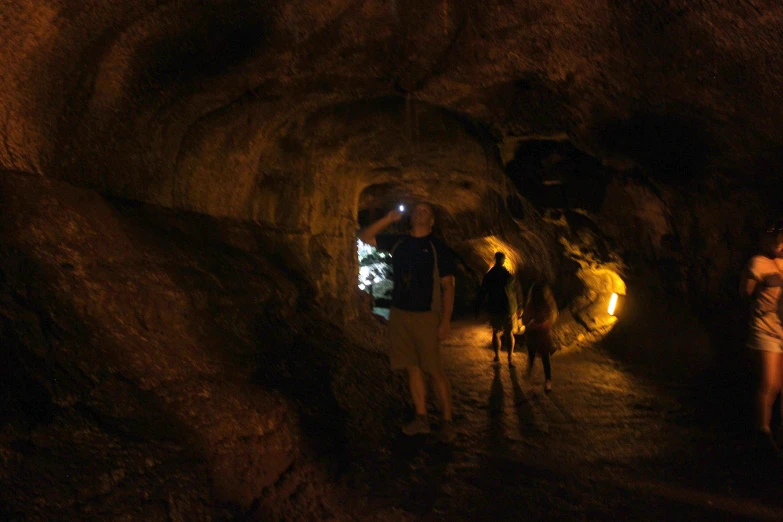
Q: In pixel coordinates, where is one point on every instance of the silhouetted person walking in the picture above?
(497, 288)
(540, 314)
(420, 316)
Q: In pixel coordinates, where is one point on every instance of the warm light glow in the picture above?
(612, 303)
(487, 246)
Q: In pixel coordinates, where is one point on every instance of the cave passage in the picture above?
(375, 277)
(183, 329)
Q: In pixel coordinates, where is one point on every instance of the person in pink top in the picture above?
(539, 315)
(762, 284)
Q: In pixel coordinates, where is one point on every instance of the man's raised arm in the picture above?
(368, 233)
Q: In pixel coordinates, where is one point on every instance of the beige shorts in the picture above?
(765, 343)
(414, 340)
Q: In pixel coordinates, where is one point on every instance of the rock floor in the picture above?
(604, 444)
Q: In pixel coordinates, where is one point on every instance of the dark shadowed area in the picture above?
(181, 329)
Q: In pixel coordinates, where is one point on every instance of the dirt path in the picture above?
(603, 445)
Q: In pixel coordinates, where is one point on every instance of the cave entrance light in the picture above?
(599, 303)
(375, 276)
(612, 304)
(615, 304)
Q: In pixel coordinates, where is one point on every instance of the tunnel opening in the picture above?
(568, 188)
(375, 277)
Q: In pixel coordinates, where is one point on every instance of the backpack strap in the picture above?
(436, 303)
(399, 241)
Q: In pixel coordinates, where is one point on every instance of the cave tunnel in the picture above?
(183, 331)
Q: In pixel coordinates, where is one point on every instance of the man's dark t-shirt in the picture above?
(494, 286)
(412, 265)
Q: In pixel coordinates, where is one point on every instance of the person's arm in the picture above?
(447, 292)
(530, 319)
(751, 277)
(368, 233)
(747, 284)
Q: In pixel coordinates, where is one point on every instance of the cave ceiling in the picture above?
(197, 104)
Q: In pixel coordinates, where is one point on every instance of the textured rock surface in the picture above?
(642, 136)
(279, 112)
(144, 362)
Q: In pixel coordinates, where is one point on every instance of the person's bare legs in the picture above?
(547, 371)
(769, 375)
(531, 359)
(769, 367)
(496, 342)
(442, 388)
(417, 389)
(420, 423)
(780, 390)
(508, 342)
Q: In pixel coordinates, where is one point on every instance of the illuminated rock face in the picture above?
(276, 123)
(281, 113)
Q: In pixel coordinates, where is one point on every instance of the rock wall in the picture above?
(280, 112)
(151, 365)
(261, 129)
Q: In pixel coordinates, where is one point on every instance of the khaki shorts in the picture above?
(765, 343)
(414, 340)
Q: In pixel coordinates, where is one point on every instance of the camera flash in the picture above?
(402, 208)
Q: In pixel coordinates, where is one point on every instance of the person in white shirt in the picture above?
(762, 283)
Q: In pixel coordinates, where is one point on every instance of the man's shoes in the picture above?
(419, 425)
(496, 359)
(446, 432)
(510, 362)
(548, 386)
